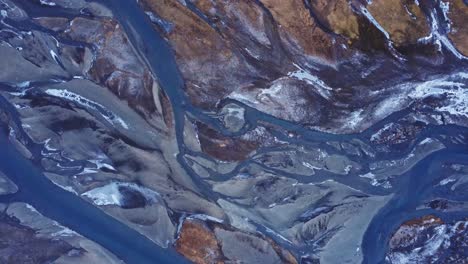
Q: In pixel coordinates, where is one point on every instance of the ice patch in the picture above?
(109, 116)
(354, 119)
(204, 217)
(165, 25)
(445, 6)
(87, 171)
(24, 84)
(439, 38)
(252, 54)
(110, 195)
(378, 134)
(54, 56)
(100, 164)
(271, 231)
(450, 89)
(311, 79)
(31, 208)
(47, 2)
(47, 145)
(446, 181)
(310, 166)
(426, 141)
(66, 188)
(456, 94)
(65, 232)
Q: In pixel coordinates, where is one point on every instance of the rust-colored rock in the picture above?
(297, 27)
(285, 255)
(458, 16)
(424, 221)
(402, 19)
(198, 243)
(224, 148)
(407, 231)
(207, 62)
(212, 242)
(338, 16)
(116, 65)
(429, 240)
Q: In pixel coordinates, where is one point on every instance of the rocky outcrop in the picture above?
(283, 57)
(429, 240)
(210, 65)
(338, 17)
(457, 12)
(116, 65)
(298, 29)
(222, 147)
(403, 20)
(198, 243)
(211, 242)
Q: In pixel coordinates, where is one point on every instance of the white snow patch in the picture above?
(24, 84)
(355, 119)
(447, 181)
(47, 145)
(110, 195)
(426, 141)
(205, 217)
(101, 164)
(109, 116)
(456, 94)
(54, 56)
(87, 171)
(451, 89)
(378, 134)
(445, 6)
(310, 166)
(438, 38)
(48, 3)
(31, 208)
(66, 188)
(252, 54)
(311, 79)
(65, 232)
(271, 231)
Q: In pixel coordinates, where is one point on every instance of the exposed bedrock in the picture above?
(429, 240)
(283, 57)
(211, 242)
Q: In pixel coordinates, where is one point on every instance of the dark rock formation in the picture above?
(429, 240)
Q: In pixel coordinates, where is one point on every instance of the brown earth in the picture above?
(458, 15)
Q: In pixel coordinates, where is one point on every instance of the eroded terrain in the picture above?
(243, 131)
